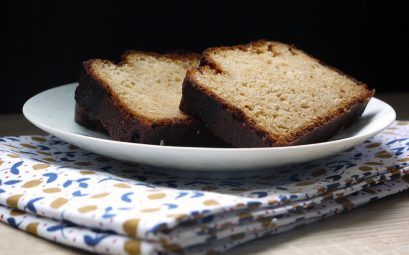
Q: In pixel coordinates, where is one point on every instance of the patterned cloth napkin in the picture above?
(59, 192)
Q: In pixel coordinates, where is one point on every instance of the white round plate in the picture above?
(53, 112)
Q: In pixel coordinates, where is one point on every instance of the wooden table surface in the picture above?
(381, 227)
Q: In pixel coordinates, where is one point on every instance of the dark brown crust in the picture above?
(84, 118)
(98, 108)
(232, 125)
(173, 55)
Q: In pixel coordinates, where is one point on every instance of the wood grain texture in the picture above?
(381, 227)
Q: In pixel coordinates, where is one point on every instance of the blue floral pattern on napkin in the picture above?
(62, 193)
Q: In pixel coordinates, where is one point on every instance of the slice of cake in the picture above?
(137, 100)
(271, 94)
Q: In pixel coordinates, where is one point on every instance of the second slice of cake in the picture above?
(271, 94)
(137, 99)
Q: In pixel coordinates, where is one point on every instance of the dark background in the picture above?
(44, 43)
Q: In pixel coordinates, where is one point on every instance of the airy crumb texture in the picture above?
(149, 86)
(279, 90)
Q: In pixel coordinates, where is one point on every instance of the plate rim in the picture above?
(46, 127)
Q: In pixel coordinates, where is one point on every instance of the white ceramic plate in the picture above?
(53, 112)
